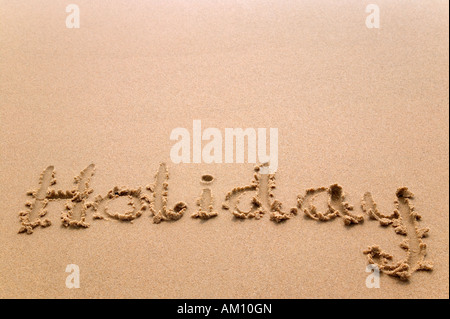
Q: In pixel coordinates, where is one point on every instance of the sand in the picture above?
(362, 117)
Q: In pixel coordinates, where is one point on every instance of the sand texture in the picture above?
(87, 179)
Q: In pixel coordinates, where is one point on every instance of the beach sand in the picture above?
(365, 108)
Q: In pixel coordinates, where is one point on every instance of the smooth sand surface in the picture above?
(365, 108)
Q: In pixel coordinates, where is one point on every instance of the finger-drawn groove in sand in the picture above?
(36, 209)
(76, 205)
(263, 186)
(205, 204)
(134, 200)
(158, 204)
(337, 205)
(405, 221)
(207, 179)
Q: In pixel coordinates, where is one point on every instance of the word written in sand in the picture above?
(154, 198)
